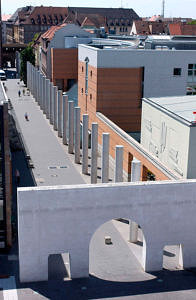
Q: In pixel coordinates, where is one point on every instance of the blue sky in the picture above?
(173, 8)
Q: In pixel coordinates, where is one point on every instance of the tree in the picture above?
(26, 55)
(193, 22)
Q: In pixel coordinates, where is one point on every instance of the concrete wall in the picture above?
(191, 164)
(63, 219)
(168, 139)
(158, 75)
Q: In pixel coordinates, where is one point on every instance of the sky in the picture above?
(144, 8)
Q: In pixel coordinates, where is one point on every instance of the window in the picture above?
(192, 73)
(91, 97)
(91, 73)
(82, 69)
(86, 75)
(82, 90)
(191, 82)
(177, 71)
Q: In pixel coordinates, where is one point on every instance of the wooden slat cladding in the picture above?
(64, 64)
(119, 96)
(115, 92)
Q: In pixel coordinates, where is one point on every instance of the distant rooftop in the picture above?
(181, 107)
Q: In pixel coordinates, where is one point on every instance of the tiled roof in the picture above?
(107, 12)
(146, 27)
(49, 34)
(43, 15)
(5, 17)
(182, 29)
(142, 27)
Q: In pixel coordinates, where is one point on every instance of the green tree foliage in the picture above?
(26, 55)
(192, 22)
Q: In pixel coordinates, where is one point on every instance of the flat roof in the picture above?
(179, 106)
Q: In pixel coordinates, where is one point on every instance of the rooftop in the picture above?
(181, 107)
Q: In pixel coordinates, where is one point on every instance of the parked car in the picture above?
(2, 75)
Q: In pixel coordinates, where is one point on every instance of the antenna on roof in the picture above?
(163, 8)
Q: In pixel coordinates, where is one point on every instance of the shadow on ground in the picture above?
(95, 288)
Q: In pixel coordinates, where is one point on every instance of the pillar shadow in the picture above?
(96, 288)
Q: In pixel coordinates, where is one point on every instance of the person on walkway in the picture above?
(19, 93)
(17, 174)
(23, 91)
(26, 117)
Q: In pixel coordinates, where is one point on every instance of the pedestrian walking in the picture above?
(17, 175)
(19, 93)
(26, 117)
(23, 91)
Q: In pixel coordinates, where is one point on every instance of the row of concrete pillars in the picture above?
(66, 120)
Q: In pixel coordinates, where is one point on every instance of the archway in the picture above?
(111, 254)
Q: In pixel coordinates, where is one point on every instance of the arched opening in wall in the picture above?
(111, 254)
(59, 266)
(173, 257)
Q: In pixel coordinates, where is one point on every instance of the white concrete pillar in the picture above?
(55, 107)
(41, 91)
(51, 104)
(47, 97)
(27, 74)
(105, 158)
(135, 176)
(71, 126)
(33, 81)
(37, 84)
(119, 164)
(43, 95)
(65, 118)
(85, 144)
(29, 87)
(94, 152)
(30, 74)
(39, 101)
(59, 97)
(135, 170)
(77, 135)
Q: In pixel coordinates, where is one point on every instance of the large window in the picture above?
(192, 73)
(86, 75)
(191, 84)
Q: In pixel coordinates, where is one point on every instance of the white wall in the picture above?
(63, 219)
(159, 64)
(165, 137)
(191, 173)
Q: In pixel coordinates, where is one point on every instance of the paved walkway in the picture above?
(52, 165)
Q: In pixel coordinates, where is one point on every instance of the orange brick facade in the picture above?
(108, 91)
(64, 65)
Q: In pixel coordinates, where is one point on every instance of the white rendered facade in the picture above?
(168, 130)
(159, 65)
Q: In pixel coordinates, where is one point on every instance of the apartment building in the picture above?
(59, 53)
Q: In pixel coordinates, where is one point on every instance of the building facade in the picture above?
(5, 177)
(166, 122)
(113, 81)
(59, 53)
